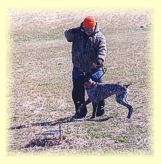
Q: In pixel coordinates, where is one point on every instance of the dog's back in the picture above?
(100, 91)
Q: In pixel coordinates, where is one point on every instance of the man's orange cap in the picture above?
(89, 21)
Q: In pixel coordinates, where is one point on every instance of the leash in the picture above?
(104, 71)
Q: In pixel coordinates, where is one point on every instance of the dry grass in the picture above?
(40, 83)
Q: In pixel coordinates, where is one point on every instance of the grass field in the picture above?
(40, 83)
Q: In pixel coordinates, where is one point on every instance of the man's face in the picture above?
(89, 30)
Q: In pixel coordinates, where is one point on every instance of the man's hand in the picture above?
(99, 63)
(75, 30)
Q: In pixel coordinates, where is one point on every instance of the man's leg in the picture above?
(78, 92)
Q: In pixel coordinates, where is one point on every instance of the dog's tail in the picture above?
(127, 85)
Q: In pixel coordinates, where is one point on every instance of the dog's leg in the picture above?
(87, 102)
(129, 107)
(121, 99)
(130, 112)
(95, 106)
(83, 105)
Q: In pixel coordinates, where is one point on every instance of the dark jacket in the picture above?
(86, 50)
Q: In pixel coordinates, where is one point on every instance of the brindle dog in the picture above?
(100, 91)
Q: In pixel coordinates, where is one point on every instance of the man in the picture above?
(88, 48)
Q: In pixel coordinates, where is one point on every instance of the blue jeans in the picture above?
(78, 92)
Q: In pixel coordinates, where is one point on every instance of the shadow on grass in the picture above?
(59, 121)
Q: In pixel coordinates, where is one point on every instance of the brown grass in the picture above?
(41, 84)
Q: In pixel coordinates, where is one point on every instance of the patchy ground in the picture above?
(40, 84)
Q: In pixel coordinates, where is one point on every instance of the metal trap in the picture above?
(53, 133)
(47, 138)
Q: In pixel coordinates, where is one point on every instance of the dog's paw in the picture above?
(92, 117)
(79, 109)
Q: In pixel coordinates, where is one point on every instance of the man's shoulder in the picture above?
(99, 36)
